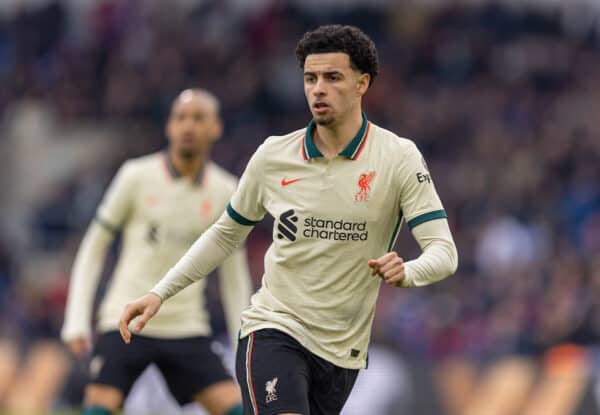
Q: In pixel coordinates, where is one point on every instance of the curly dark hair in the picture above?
(338, 38)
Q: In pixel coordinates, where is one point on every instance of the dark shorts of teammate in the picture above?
(277, 375)
(188, 364)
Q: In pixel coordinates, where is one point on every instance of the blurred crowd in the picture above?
(502, 102)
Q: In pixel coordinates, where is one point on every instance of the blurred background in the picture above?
(502, 97)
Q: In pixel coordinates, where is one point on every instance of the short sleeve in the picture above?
(247, 204)
(418, 198)
(118, 199)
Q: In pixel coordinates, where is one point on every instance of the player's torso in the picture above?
(331, 217)
(168, 213)
(332, 207)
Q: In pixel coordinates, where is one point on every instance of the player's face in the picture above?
(332, 87)
(193, 125)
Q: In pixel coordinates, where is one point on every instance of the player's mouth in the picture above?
(320, 107)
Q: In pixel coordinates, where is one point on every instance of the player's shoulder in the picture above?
(146, 161)
(393, 143)
(140, 165)
(277, 143)
(219, 176)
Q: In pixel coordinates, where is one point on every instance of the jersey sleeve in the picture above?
(118, 199)
(419, 200)
(247, 204)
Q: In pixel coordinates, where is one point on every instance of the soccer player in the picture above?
(162, 203)
(339, 190)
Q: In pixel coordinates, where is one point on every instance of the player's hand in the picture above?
(390, 267)
(145, 307)
(79, 346)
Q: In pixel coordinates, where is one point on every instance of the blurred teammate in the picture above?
(162, 203)
(339, 190)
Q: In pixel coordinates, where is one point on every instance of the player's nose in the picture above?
(319, 88)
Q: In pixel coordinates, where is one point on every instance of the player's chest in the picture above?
(178, 205)
(332, 188)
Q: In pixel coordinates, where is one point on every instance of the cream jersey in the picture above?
(331, 217)
(160, 215)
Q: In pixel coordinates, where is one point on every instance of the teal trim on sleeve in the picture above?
(239, 218)
(426, 217)
(106, 225)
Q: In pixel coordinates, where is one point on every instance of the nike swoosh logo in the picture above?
(288, 182)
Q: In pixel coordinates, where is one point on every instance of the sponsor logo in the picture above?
(270, 389)
(423, 177)
(152, 233)
(317, 228)
(157, 233)
(336, 230)
(364, 184)
(287, 225)
(285, 182)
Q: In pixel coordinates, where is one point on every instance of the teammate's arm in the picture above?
(236, 288)
(76, 330)
(427, 221)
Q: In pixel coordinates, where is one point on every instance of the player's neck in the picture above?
(188, 167)
(332, 140)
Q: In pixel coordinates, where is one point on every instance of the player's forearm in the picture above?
(207, 253)
(236, 288)
(84, 281)
(439, 258)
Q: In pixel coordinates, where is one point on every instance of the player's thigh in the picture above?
(330, 386)
(220, 397)
(114, 367)
(194, 371)
(273, 374)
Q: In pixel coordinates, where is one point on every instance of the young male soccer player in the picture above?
(162, 202)
(339, 190)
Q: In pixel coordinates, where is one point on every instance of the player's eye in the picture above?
(309, 79)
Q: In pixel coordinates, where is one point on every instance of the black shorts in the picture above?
(188, 364)
(277, 375)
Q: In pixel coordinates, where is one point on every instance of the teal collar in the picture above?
(175, 174)
(352, 150)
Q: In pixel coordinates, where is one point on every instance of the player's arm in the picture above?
(87, 267)
(427, 220)
(236, 288)
(209, 251)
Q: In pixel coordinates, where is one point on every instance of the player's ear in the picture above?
(363, 83)
(168, 130)
(217, 130)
